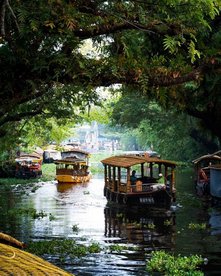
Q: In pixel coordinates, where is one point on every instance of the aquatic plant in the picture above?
(28, 211)
(197, 226)
(151, 226)
(75, 228)
(94, 248)
(119, 248)
(51, 217)
(168, 222)
(63, 249)
(168, 264)
(119, 215)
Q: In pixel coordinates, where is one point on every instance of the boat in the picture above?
(49, 155)
(149, 153)
(28, 165)
(73, 167)
(154, 185)
(207, 175)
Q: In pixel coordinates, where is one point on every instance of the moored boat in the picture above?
(73, 167)
(207, 172)
(28, 166)
(153, 186)
(49, 155)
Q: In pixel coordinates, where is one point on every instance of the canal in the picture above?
(136, 232)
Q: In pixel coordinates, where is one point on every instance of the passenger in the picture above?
(161, 179)
(133, 177)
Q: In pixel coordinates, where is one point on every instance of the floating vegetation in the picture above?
(119, 248)
(75, 228)
(151, 226)
(168, 264)
(62, 248)
(94, 248)
(29, 211)
(168, 222)
(51, 217)
(119, 215)
(197, 226)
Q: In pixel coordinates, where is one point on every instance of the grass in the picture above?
(48, 172)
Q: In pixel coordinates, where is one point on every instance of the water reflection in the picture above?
(64, 187)
(215, 222)
(151, 230)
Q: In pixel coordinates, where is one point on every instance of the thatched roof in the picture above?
(207, 157)
(127, 161)
(14, 261)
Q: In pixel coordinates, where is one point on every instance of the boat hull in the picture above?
(73, 178)
(159, 199)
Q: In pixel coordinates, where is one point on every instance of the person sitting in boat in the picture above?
(161, 179)
(202, 176)
(133, 177)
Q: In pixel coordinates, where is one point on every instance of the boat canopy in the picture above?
(127, 161)
(206, 157)
(80, 154)
(28, 158)
(69, 161)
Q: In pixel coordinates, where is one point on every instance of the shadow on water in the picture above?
(127, 236)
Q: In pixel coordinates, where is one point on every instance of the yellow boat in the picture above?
(73, 167)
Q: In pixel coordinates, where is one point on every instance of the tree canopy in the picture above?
(166, 50)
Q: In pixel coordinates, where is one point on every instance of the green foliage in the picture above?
(197, 226)
(152, 126)
(168, 264)
(119, 248)
(171, 43)
(150, 48)
(62, 248)
(48, 172)
(30, 211)
(47, 131)
(75, 228)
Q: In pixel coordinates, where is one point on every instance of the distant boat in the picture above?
(28, 165)
(148, 153)
(49, 155)
(73, 167)
(208, 175)
(154, 185)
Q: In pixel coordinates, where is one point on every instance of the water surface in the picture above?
(140, 231)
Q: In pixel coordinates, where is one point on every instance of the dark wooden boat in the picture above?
(28, 166)
(147, 189)
(207, 175)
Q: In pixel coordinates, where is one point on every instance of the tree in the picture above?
(158, 47)
(171, 133)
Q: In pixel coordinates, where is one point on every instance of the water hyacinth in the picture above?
(168, 264)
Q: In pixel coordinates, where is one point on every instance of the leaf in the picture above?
(170, 43)
(50, 24)
(71, 24)
(193, 52)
